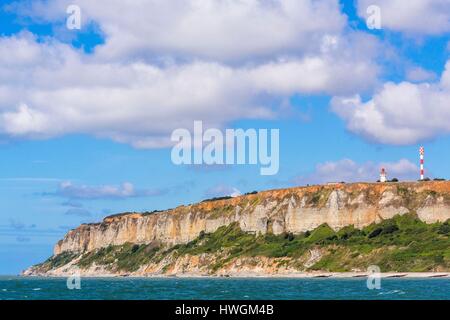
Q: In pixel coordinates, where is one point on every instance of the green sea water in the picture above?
(14, 288)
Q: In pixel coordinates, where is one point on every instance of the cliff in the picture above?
(294, 211)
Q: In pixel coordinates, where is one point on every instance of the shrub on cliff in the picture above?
(58, 260)
(321, 233)
(289, 236)
(349, 232)
(217, 199)
(375, 233)
(135, 248)
(444, 228)
(385, 228)
(389, 229)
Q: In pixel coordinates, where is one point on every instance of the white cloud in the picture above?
(400, 114)
(348, 170)
(126, 190)
(50, 89)
(423, 17)
(418, 74)
(207, 29)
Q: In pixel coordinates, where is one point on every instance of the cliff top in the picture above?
(376, 188)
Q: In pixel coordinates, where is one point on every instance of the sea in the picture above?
(30, 288)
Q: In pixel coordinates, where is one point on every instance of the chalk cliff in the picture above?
(284, 211)
(289, 210)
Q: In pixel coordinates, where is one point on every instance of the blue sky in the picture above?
(86, 115)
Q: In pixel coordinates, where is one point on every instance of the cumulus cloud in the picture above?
(126, 190)
(418, 74)
(49, 89)
(423, 17)
(208, 29)
(222, 190)
(348, 170)
(400, 114)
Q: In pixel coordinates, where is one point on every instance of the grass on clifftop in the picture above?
(403, 243)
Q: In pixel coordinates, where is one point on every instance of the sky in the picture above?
(86, 114)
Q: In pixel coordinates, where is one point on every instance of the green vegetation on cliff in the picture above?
(57, 261)
(403, 243)
(128, 257)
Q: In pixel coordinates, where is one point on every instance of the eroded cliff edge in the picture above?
(278, 212)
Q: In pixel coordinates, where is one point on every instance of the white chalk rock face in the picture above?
(293, 210)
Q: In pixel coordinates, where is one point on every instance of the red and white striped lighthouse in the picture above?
(422, 171)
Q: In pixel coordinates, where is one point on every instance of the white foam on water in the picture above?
(392, 292)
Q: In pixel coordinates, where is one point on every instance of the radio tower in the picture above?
(422, 152)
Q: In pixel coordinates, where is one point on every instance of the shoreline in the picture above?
(246, 275)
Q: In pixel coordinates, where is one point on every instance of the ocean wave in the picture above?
(392, 292)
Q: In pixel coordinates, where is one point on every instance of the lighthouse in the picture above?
(383, 175)
(422, 171)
